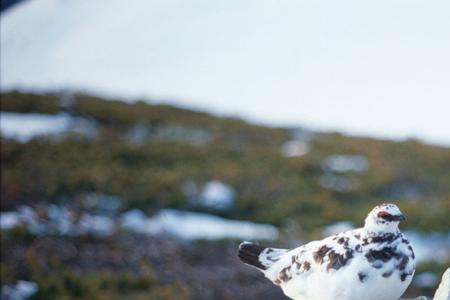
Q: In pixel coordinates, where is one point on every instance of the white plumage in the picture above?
(375, 262)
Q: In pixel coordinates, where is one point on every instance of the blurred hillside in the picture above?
(149, 156)
(99, 162)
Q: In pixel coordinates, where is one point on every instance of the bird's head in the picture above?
(384, 218)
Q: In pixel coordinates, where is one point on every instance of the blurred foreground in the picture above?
(102, 199)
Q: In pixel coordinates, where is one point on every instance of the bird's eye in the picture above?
(383, 214)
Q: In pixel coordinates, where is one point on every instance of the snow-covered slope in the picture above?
(287, 61)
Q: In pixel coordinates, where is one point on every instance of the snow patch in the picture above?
(217, 195)
(214, 194)
(96, 225)
(25, 126)
(193, 226)
(20, 291)
(345, 163)
(9, 220)
(60, 220)
(295, 148)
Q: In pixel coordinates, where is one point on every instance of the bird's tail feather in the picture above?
(249, 254)
(259, 256)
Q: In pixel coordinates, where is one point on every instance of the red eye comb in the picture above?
(383, 214)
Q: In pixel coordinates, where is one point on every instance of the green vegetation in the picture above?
(57, 282)
(270, 188)
(68, 285)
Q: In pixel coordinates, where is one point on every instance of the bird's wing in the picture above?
(330, 253)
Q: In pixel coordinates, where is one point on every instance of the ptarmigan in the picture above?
(375, 262)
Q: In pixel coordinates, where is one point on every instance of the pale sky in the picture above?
(378, 68)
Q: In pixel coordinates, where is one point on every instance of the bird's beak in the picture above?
(400, 217)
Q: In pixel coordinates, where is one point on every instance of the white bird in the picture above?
(376, 262)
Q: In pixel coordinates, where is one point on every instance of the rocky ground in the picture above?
(208, 271)
(201, 270)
